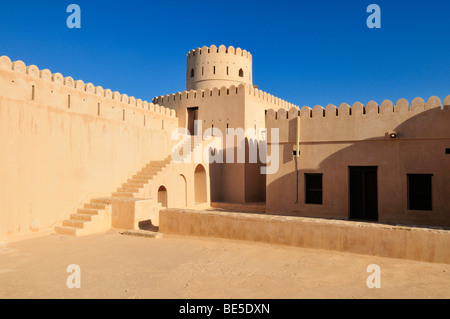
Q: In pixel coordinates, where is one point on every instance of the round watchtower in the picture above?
(212, 67)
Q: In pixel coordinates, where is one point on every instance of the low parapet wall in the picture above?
(421, 244)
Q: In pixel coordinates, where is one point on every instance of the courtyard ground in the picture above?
(117, 266)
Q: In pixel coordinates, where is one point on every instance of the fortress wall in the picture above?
(57, 155)
(354, 123)
(257, 100)
(218, 107)
(333, 139)
(268, 101)
(235, 107)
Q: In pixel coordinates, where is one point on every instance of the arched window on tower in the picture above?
(192, 73)
(241, 73)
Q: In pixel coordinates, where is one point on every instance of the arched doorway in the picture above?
(162, 196)
(183, 190)
(200, 185)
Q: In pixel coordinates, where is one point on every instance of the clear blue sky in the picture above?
(306, 52)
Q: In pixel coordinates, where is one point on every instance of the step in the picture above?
(106, 201)
(155, 166)
(133, 185)
(127, 190)
(84, 217)
(123, 194)
(150, 171)
(145, 176)
(140, 180)
(142, 233)
(87, 211)
(95, 206)
(74, 223)
(69, 231)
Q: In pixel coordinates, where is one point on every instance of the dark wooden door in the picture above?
(364, 193)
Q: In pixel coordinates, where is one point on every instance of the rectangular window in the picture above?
(313, 189)
(419, 192)
(447, 151)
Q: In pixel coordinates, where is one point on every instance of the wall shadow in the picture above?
(420, 148)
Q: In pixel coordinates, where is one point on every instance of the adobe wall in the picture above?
(219, 108)
(234, 107)
(332, 139)
(354, 237)
(64, 142)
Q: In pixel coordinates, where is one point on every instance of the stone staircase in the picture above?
(133, 187)
(96, 216)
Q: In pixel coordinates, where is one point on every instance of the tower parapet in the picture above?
(210, 67)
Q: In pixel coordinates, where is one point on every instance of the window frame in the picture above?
(309, 190)
(429, 192)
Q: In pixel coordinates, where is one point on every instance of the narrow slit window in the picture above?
(420, 192)
(313, 189)
(32, 93)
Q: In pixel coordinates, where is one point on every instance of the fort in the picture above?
(79, 159)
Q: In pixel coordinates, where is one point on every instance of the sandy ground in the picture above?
(118, 266)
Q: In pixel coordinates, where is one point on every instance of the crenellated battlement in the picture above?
(270, 101)
(214, 50)
(170, 100)
(210, 67)
(24, 82)
(372, 109)
(267, 100)
(347, 123)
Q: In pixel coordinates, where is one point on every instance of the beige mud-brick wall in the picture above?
(333, 139)
(220, 108)
(219, 81)
(228, 107)
(64, 142)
